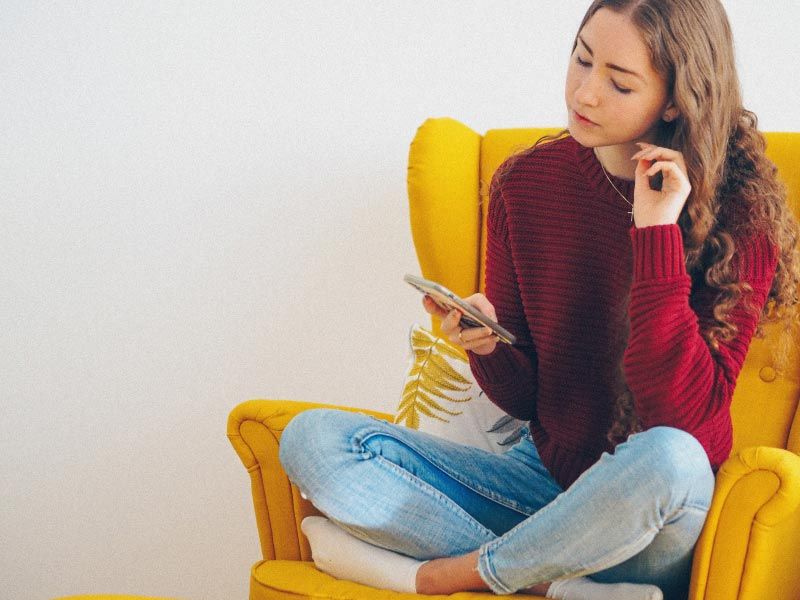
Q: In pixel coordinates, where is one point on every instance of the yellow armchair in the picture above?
(750, 546)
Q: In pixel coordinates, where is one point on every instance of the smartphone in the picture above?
(447, 300)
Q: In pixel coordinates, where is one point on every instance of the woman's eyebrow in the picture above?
(609, 65)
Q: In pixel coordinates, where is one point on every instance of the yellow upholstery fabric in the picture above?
(296, 579)
(443, 198)
(750, 546)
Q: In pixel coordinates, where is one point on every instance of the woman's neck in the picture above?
(616, 160)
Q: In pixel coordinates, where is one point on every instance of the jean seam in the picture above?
(436, 494)
(488, 574)
(696, 507)
(682, 509)
(515, 506)
(482, 492)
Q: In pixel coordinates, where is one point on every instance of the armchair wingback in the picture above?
(750, 546)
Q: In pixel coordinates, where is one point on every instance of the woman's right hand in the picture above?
(480, 340)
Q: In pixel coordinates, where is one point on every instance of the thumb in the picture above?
(482, 303)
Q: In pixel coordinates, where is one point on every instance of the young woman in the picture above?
(634, 259)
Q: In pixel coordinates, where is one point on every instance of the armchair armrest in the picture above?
(750, 545)
(254, 430)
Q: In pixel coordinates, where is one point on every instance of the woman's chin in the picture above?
(580, 136)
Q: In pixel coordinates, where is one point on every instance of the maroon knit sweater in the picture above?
(565, 268)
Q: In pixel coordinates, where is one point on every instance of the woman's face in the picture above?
(624, 106)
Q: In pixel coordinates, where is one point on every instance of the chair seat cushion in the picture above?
(289, 579)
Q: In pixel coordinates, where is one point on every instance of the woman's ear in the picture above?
(670, 113)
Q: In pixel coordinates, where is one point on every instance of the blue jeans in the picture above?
(634, 516)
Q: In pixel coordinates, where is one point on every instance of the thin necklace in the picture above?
(630, 212)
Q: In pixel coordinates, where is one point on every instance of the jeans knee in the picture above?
(298, 437)
(317, 436)
(675, 455)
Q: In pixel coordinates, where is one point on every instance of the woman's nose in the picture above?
(586, 93)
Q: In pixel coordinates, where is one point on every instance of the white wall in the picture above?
(205, 202)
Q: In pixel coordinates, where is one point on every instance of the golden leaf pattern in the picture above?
(431, 380)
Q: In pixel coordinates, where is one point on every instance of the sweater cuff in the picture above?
(657, 252)
(495, 367)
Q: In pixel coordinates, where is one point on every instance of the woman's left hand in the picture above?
(659, 207)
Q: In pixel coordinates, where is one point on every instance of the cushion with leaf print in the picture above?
(441, 397)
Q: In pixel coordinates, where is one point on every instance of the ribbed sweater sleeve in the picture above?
(508, 374)
(675, 378)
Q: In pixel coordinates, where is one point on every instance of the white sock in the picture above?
(344, 556)
(583, 588)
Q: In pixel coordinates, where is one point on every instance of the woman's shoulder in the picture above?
(538, 161)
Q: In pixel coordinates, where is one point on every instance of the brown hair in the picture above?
(735, 188)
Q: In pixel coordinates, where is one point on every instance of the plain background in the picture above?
(205, 202)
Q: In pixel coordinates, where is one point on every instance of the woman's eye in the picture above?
(584, 63)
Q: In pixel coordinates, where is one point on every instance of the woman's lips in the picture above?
(583, 119)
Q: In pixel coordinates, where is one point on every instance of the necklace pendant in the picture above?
(630, 212)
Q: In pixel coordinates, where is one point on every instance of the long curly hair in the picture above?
(735, 188)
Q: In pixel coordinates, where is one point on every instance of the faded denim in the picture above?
(634, 516)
